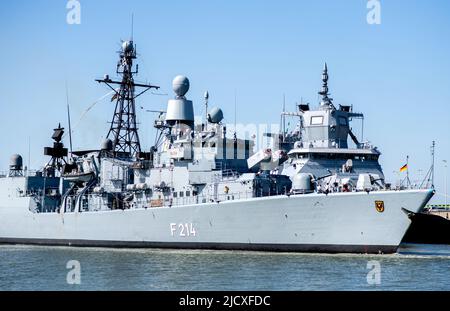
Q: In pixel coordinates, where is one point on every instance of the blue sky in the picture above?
(397, 73)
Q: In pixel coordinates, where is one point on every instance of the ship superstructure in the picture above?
(318, 149)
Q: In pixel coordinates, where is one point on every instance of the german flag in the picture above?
(404, 168)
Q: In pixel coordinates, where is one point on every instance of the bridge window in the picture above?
(317, 120)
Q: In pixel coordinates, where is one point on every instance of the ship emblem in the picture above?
(379, 206)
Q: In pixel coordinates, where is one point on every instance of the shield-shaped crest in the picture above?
(379, 206)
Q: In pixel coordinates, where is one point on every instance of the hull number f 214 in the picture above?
(182, 230)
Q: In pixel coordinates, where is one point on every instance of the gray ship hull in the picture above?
(344, 222)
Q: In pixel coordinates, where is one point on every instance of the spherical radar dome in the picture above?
(16, 160)
(215, 115)
(127, 46)
(107, 145)
(180, 85)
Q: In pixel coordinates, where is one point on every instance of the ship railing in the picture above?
(226, 172)
(31, 173)
(230, 174)
(235, 196)
(202, 199)
(223, 197)
(413, 185)
(26, 173)
(184, 201)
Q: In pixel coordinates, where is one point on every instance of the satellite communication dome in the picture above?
(215, 115)
(107, 145)
(180, 85)
(16, 161)
(127, 46)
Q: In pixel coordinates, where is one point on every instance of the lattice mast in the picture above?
(124, 131)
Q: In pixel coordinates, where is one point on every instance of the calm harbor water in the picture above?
(415, 267)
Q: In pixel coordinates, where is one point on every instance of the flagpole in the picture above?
(432, 165)
(407, 172)
(446, 184)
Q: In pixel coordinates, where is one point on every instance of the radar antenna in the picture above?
(57, 153)
(324, 92)
(206, 96)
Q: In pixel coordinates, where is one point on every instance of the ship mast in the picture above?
(326, 101)
(124, 131)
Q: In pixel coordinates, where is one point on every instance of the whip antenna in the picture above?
(68, 119)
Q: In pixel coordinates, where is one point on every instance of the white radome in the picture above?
(180, 85)
(127, 46)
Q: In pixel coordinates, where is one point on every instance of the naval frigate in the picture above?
(199, 188)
